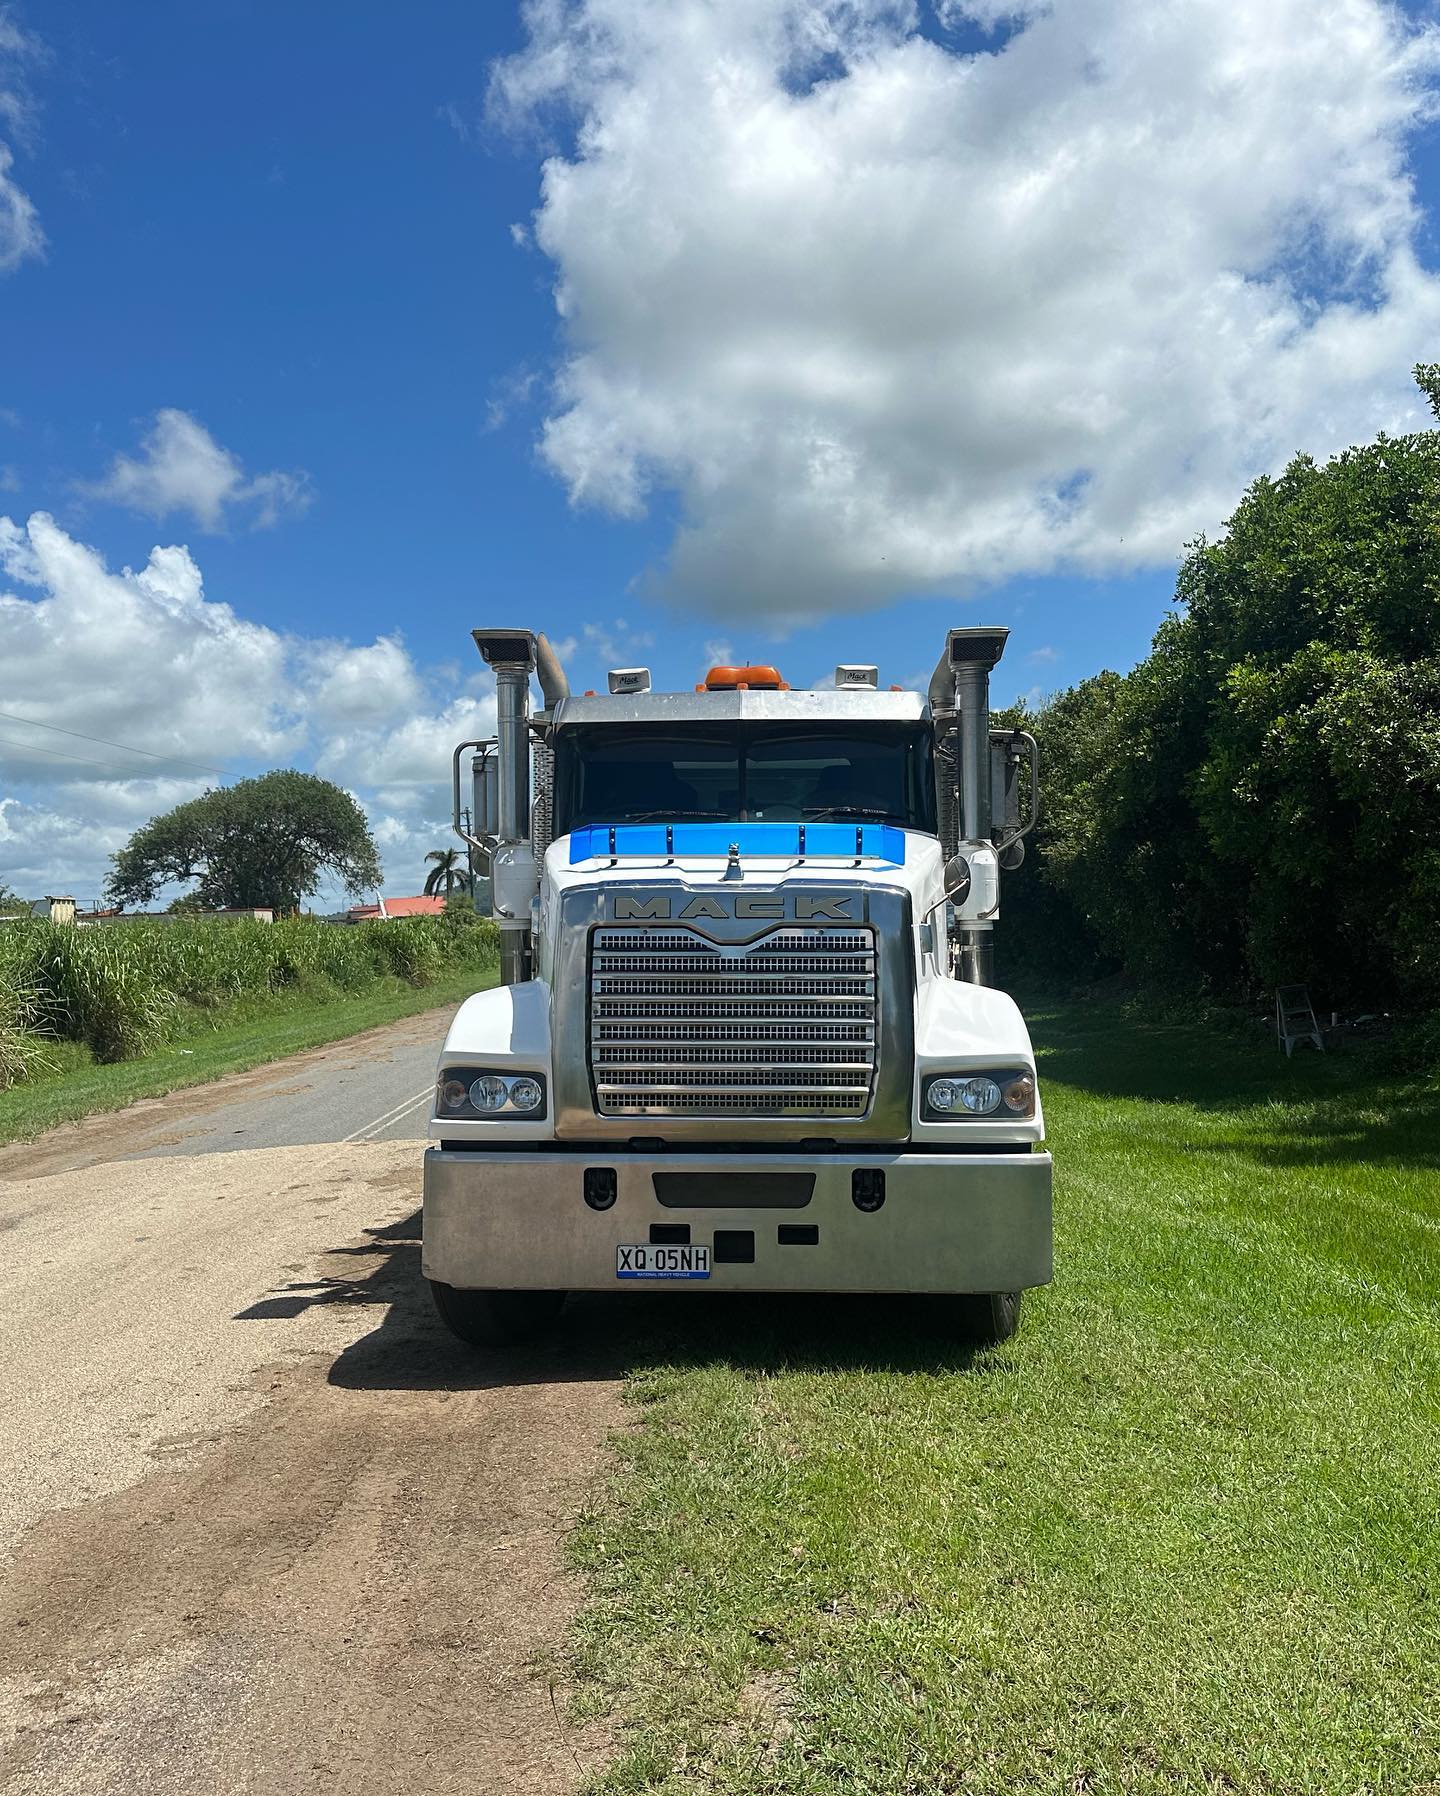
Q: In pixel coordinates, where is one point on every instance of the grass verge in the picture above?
(1180, 1535)
(208, 1045)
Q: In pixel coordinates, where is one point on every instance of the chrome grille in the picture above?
(782, 1026)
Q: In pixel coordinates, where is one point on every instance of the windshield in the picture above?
(753, 773)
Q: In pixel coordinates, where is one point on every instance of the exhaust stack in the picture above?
(971, 655)
(551, 675)
(511, 653)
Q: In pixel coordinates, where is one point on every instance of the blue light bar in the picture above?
(881, 842)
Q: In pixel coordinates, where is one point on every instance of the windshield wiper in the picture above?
(834, 812)
(664, 815)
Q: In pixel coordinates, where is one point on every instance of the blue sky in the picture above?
(313, 232)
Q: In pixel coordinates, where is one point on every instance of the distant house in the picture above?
(397, 907)
(54, 910)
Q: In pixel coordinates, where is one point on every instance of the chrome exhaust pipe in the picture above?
(551, 675)
(511, 653)
(971, 655)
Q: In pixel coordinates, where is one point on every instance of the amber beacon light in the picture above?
(745, 679)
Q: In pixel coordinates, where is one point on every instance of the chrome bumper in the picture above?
(949, 1222)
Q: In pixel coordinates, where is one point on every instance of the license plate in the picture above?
(649, 1261)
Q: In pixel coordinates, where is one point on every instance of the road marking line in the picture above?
(391, 1122)
(396, 1111)
(368, 1131)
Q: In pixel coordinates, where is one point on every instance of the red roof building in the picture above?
(397, 907)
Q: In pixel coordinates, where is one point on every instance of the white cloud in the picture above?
(615, 644)
(124, 804)
(888, 317)
(451, 115)
(509, 394)
(20, 233)
(21, 237)
(181, 468)
(139, 657)
(404, 839)
(365, 685)
(414, 751)
(401, 776)
(33, 855)
(144, 658)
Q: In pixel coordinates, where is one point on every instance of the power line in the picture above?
(34, 748)
(125, 747)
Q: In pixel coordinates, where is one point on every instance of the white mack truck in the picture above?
(746, 1038)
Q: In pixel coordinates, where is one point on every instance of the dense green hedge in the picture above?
(1259, 801)
(118, 987)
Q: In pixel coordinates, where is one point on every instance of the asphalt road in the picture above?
(381, 1092)
(264, 1528)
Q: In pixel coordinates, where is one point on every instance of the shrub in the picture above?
(117, 987)
(411, 947)
(21, 1051)
(101, 989)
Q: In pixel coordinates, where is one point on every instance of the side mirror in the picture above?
(1012, 855)
(957, 879)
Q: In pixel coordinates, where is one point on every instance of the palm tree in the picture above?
(449, 871)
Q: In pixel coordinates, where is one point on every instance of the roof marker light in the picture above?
(754, 679)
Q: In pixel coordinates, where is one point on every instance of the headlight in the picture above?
(943, 1094)
(468, 1092)
(489, 1092)
(955, 1097)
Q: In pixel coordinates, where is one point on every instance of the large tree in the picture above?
(1259, 800)
(265, 841)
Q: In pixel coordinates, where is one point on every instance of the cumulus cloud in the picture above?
(33, 860)
(181, 468)
(410, 752)
(138, 656)
(59, 841)
(891, 315)
(92, 659)
(361, 685)
(20, 234)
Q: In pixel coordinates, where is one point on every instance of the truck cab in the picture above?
(745, 1037)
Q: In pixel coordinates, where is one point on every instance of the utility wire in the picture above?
(33, 748)
(154, 755)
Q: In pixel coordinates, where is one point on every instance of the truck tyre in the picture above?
(991, 1316)
(495, 1318)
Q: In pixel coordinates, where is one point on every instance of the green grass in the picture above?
(207, 1044)
(1182, 1534)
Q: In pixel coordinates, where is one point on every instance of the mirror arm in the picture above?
(482, 843)
(1033, 758)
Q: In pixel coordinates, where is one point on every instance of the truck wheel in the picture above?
(495, 1318)
(991, 1316)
